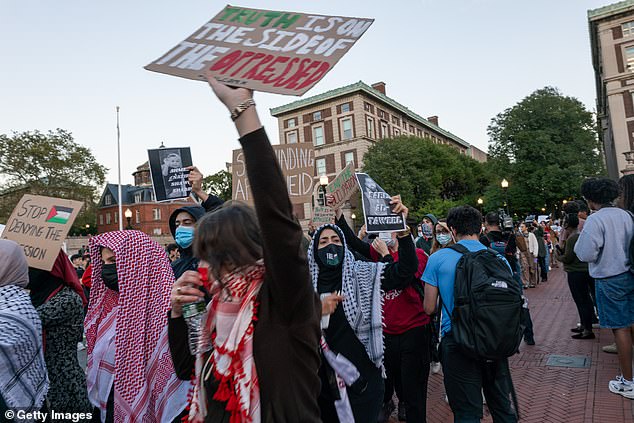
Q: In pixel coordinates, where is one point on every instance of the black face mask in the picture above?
(331, 256)
(109, 276)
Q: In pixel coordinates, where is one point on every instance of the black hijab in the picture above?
(42, 285)
(329, 279)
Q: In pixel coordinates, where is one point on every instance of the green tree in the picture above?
(544, 146)
(50, 164)
(218, 184)
(431, 178)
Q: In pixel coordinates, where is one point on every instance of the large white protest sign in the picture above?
(264, 50)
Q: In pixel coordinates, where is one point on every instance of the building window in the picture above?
(152, 195)
(346, 128)
(320, 164)
(345, 108)
(419, 133)
(157, 231)
(395, 120)
(317, 115)
(397, 132)
(318, 135)
(628, 28)
(349, 157)
(369, 126)
(101, 219)
(629, 58)
(116, 217)
(291, 137)
(368, 107)
(291, 123)
(107, 200)
(384, 133)
(156, 214)
(107, 218)
(137, 197)
(411, 128)
(404, 124)
(137, 216)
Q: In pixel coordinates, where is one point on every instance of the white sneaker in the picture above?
(435, 367)
(622, 387)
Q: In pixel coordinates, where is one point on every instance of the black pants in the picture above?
(528, 325)
(407, 359)
(579, 284)
(543, 269)
(465, 378)
(365, 405)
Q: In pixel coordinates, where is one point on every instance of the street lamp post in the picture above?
(354, 221)
(505, 186)
(323, 181)
(128, 216)
(480, 202)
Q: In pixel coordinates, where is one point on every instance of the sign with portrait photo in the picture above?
(376, 207)
(169, 176)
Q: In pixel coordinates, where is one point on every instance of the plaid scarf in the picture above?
(229, 322)
(361, 287)
(23, 377)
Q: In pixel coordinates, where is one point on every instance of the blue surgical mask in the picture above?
(443, 239)
(184, 236)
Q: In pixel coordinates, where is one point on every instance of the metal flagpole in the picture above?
(119, 170)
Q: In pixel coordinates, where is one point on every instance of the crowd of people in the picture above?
(333, 329)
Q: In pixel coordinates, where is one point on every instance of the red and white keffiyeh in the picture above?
(145, 384)
(229, 322)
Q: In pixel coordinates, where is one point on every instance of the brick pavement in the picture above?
(554, 394)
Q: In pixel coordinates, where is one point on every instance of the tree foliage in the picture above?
(219, 184)
(51, 164)
(431, 178)
(544, 146)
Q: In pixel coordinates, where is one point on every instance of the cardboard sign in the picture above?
(343, 186)
(40, 225)
(323, 215)
(264, 50)
(169, 176)
(298, 165)
(376, 207)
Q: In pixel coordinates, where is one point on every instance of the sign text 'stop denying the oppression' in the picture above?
(264, 50)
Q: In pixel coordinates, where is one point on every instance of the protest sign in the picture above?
(298, 166)
(169, 176)
(264, 50)
(323, 215)
(40, 225)
(343, 186)
(376, 207)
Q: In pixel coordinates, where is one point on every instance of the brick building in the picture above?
(344, 123)
(147, 215)
(612, 44)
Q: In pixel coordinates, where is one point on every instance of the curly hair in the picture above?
(465, 220)
(602, 191)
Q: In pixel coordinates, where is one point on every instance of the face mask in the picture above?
(331, 255)
(184, 236)
(427, 230)
(443, 239)
(109, 276)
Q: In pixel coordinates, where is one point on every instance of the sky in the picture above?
(68, 64)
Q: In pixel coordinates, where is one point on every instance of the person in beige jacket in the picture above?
(532, 253)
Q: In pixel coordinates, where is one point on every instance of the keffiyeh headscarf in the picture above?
(145, 384)
(361, 287)
(23, 377)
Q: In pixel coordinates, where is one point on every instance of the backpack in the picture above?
(486, 319)
(498, 246)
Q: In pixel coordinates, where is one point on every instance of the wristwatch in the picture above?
(240, 108)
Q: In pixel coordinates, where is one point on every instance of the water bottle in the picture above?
(194, 314)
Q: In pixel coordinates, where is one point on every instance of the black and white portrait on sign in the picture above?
(169, 173)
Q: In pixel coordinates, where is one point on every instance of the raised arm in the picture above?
(286, 264)
(354, 243)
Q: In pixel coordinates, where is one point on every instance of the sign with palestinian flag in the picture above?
(59, 214)
(40, 225)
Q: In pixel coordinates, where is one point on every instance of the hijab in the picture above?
(44, 285)
(13, 266)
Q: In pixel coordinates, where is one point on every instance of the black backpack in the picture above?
(486, 319)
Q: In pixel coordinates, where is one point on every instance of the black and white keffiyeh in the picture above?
(361, 287)
(23, 377)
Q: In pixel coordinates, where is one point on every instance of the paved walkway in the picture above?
(554, 394)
